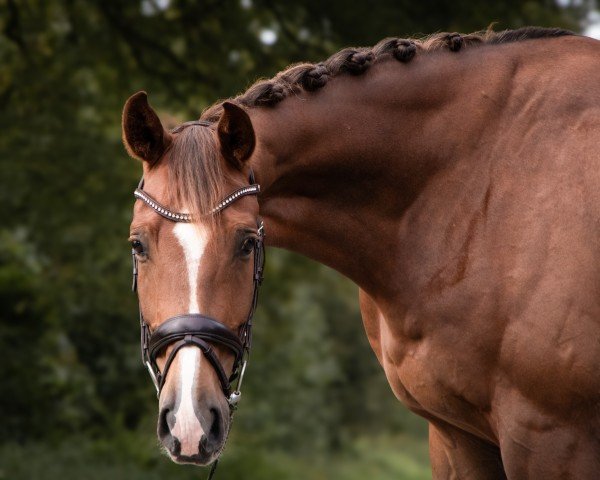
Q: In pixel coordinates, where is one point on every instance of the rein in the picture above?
(196, 329)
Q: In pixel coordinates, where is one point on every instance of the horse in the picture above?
(455, 179)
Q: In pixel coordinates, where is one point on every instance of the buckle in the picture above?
(236, 395)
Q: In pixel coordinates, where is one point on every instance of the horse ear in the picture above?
(143, 134)
(236, 135)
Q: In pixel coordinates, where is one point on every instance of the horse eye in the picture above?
(137, 247)
(248, 246)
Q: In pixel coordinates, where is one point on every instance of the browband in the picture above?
(159, 208)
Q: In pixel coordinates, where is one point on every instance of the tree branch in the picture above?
(139, 43)
(12, 28)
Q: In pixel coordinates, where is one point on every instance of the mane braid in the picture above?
(354, 61)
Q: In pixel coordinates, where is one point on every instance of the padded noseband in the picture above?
(193, 329)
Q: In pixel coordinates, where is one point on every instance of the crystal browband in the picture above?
(253, 189)
(186, 217)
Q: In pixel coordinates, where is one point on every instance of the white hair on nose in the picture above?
(188, 429)
(193, 238)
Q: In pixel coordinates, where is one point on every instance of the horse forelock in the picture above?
(196, 176)
(312, 76)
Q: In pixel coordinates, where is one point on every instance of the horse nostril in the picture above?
(211, 441)
(203, 443)
(166, 420)
(215, 428)
(163, 426)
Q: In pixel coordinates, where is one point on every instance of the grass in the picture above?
(132, 456)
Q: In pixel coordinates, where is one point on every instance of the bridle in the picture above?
(197, 329)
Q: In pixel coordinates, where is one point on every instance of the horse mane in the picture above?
(313, 76)
(195, 173)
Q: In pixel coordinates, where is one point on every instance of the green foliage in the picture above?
(130, 456)
(74, 396)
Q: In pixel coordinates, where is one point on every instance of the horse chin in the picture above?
(205, 454)
(201, 459)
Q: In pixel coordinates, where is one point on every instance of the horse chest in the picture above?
(431, 373)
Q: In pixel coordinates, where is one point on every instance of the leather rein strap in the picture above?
(196, 329)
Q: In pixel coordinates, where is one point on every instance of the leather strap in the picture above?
(208, 353)
(196, 330)
(196, 325)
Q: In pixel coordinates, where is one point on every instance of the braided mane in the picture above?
(312, 76)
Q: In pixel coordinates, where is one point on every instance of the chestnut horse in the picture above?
(456, 181)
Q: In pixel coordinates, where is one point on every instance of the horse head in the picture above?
(197, 250)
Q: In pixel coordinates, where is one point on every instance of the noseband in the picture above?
(197, 329)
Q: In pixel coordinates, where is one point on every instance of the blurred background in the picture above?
(75, 401)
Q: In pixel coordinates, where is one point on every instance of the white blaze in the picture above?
(188, 429)
(193, 239)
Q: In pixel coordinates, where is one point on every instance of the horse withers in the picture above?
(455, 180)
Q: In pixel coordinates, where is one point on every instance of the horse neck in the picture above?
(340, 167)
